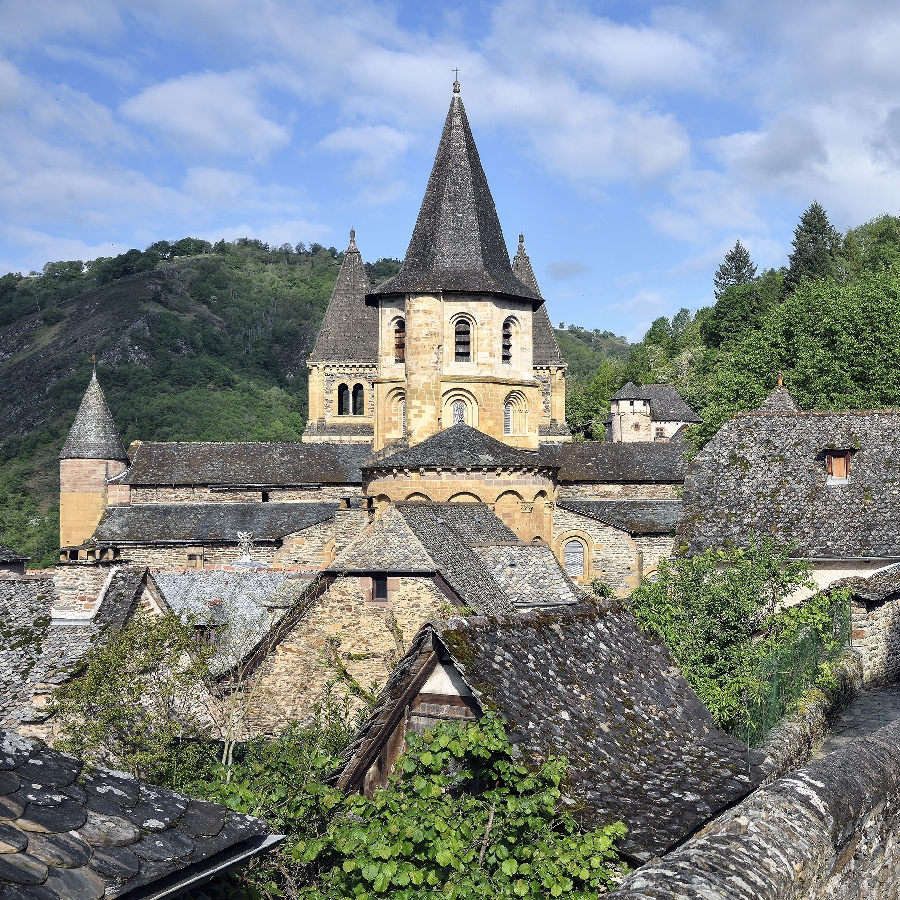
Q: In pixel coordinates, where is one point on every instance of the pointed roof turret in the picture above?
(521, 267)
(349, 331)
(457, 244)
(545, 348)
(93, 434)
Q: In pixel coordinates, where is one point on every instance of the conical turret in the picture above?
(521, 267)
(349, 331)
(457, 244)
(93, 434)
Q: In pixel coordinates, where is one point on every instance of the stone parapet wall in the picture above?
(875, 635)
(646, 491)
(830, 830)
(79, 587)
(205, 494)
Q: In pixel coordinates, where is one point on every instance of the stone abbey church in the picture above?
(436, 471)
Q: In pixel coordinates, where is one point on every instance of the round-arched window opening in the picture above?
(463, 334)
(400, 341)
(459, 412)
(507, 417)
(506, 350)
(403, 416)
(573, 557)
(359, 400)
(343, 400)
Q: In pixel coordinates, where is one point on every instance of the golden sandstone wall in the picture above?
(366, 638)
(82, 496)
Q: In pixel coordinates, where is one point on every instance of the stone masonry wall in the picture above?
(79, 586)
(830, 830)
(368, 637)
(875, 636)
(620, 491)
(203, 494)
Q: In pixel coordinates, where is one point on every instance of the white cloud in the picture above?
(116, 69)
(564, 269)
(209, 113)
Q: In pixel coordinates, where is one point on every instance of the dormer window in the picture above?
(838, 466)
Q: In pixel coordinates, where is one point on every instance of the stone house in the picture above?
(11, 562)
(582, 682)
(826, 481)
(652, 412)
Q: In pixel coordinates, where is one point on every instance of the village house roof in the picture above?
(605, 462)
(457, 243)
(780, 400)
(878, 588)
(459, 447)
(666, 404)
(256, 464)
(634, 516)
(766, 472)
(8, 555)
(93, 434)
(349, 331)
(584, 683)
(192, 523)
(530, 574)
(67, 830)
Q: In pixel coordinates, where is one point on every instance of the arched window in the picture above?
(403, 416)
(343, 400)
(507, 417)
(359, 400)
(463, 331)
(459, 412)
(506, 351)
(400, 341)
(573, 556)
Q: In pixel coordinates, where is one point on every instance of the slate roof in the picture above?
(459, 446)
(431, 538)
(262, 464)
(529, 573)
(545, 349)
(605, 462)
(349, 331)
(208, 522)
(633, 516)
(765, 472)
(666, 404)
(93, 434)
(780, 400)
(8, 555)
(68, 831)
(457, 243)
(878, 588)
(585, 683)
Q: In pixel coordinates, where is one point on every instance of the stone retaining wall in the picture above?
(830, 830)
(875, 634)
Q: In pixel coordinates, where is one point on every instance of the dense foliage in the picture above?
(722, 615)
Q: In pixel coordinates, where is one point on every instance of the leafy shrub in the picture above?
(462, 817)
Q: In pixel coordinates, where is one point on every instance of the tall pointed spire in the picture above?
(93, 434)
(457, 244)
(521, 267)
(349, 331)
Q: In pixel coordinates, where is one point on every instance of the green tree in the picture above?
(463, 817)
(736, 269)
(816, 246)
(741, 307)
(720, 613)
(134, 702)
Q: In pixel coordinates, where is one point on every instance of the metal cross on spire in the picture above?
(455, 80)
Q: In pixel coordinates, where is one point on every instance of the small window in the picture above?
(359, 400)
(343, 400)
(573, 555)
(660, 433)
(636, 426)
(403, 416)
(463, 341)
(459, 412)
(379, 588)
(400, 341)
(265, 496)
(507, 342)
(507, 418)
(838, 463)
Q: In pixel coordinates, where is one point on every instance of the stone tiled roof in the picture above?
(633, 516)
(529, 573)
(779, 400)
(433, 538)
(208, 522)
(93, 434)
(666, 404)
(249, 603)
(459, 446)
(878, 588)
(585, 683)
(765, 472)
(245, 463)
(8, 555)
(602, 461)
(69, 831)
(457, 243)
(545, 349)
(349, 331)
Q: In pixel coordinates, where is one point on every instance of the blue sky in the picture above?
(631, 142)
